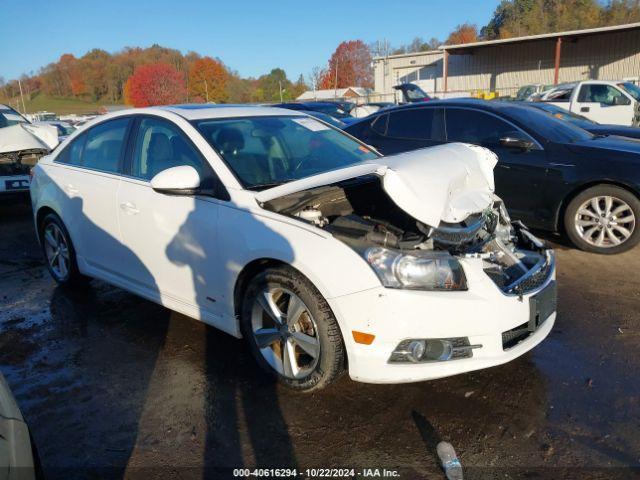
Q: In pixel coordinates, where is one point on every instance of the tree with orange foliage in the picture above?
(208, 80)
(155, 84)
(465, 33)
(349, 66)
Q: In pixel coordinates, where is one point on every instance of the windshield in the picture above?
(632, 89)
(64, 129)
(525, 92)
(414, 92)
(328, 118)
(335, 110)
(547, 126)
(266, 151)
(9, 117)
(566, 115)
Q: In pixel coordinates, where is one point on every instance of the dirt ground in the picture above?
(114, 386)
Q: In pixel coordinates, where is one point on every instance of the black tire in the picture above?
(620, 195)
(331, 361)
(72, 277)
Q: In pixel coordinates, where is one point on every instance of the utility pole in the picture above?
(24, 110)
(335, 85)
(206, 90)
(280, 85)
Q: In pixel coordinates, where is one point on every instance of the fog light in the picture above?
(415, 350)
(426, 350)
(438, 350)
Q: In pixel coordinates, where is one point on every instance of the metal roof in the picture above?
(410, 54)
(544, 36)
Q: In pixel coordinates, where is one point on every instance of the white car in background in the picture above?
(21, 145)
(606, 102)
(324, 255)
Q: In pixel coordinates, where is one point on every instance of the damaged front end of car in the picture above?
(415, 216)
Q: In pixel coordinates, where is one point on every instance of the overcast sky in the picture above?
(250, 36)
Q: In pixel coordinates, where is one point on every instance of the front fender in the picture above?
(333, 267)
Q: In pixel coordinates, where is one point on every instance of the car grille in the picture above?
(531, 281)
(512, 337)
(535, 280)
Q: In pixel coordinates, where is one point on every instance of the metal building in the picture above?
(503, 66)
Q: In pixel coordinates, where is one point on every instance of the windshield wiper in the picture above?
(262, 186)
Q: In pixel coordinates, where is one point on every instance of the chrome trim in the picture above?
(549, 260)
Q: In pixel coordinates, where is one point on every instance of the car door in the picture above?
(171, 239)
(87, 174)
(520, 175)
(604, 103)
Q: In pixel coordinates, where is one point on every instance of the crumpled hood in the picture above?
(446, 183)
(26, 136)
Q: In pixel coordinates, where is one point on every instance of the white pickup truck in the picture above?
(616, 103)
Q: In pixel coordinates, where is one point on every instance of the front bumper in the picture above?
(482, 314)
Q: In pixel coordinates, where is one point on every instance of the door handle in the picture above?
(129, 208)
(584, 109)
(71, 190)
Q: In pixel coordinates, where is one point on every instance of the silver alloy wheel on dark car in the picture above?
(57, 251)
(605, 221)
(285, 332)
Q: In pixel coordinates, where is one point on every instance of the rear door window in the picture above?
(416, 123)
(104, 145)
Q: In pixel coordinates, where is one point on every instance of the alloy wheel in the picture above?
(285, 332)
(56, 251)
(605, 221)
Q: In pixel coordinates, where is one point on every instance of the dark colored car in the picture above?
(551, 174)
(412, 93)
(583, 122)
(337, 110)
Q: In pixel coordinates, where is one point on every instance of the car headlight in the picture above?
(416, 270)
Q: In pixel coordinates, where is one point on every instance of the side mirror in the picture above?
(512, 141)
(620, 100)
(183, 180)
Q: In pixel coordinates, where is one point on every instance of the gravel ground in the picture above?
(114, 386)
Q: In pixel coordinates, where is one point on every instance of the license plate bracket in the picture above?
(541, 305)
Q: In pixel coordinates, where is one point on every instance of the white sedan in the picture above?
(276, 227)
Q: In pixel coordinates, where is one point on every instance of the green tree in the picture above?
(270, 85)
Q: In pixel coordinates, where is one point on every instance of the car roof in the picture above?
(493, 105)
(205, 111)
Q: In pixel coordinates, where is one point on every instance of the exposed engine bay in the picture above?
(19, 163)
(361, 214)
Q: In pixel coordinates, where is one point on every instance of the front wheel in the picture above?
(603, 219)
(291, 330)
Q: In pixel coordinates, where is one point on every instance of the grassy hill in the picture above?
(59, 105)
